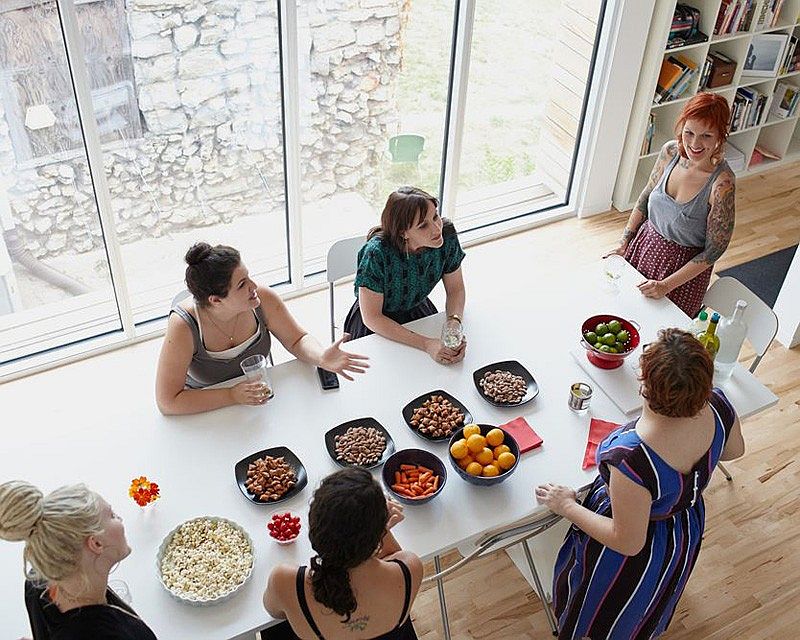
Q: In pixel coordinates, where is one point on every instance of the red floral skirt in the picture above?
(655, 257)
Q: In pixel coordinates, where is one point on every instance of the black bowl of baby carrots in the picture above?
(414, 476)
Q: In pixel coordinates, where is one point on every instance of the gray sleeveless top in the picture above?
(205, 370)
(682, 223)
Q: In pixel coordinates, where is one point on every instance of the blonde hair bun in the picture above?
(21, 508)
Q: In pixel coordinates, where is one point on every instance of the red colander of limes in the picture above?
(609, 339)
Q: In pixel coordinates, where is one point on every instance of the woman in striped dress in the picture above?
(683, 220)
(635, 540)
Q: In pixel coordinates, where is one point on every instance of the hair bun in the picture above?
(197, 253)
(21, 507)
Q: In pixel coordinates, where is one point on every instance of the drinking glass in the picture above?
(255, 370)
(120, 587)
(612, 272)
(452, 333)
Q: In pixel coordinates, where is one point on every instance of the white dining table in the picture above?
(95, 421)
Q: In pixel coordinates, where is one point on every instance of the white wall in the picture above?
(787, 306)
(622, 46)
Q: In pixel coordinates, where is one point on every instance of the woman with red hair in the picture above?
(683, 220)
(636, 536)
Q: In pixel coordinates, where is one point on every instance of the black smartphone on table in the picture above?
(327, 379)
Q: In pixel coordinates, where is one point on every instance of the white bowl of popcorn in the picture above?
(205, 560)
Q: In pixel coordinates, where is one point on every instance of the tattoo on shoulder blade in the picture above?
(357, 624)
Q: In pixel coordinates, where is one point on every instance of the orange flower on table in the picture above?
(143, 491)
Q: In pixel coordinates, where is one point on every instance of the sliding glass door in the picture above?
(131, 129)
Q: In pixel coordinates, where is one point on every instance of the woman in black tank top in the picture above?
(352, 589)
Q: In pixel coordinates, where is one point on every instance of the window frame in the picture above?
(300, 283)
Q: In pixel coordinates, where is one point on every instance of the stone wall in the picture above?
(208, 84)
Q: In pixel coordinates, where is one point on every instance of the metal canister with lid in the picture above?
(580, 395)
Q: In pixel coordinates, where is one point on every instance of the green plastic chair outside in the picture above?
(406, 147)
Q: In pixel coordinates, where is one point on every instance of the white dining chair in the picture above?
(762, 323)
(342, 262)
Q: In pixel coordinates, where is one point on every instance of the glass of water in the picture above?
(255, 369)
(612, 272)
(452, 333)
(120, 587)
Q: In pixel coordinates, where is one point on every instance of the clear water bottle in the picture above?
(699, 324)
(731, 332)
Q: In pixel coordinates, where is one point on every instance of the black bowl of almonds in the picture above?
(436, 415)
(270, 476)
(505, 384)
(359, 443)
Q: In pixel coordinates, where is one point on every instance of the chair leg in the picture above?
(442, 604)
(538, 582)
(333, 323)
(727, 473)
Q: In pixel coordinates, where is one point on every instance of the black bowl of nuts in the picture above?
(436, 415)
(270, 476)
(359, 443)
(505, 384)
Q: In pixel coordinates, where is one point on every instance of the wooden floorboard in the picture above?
(747, 580)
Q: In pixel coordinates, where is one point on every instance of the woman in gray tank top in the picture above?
(224, 318)
(683, 220)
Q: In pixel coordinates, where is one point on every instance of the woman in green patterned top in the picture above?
(403, 260)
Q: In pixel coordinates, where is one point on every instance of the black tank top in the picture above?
(403, 630)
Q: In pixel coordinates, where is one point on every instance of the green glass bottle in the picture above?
(708, 338)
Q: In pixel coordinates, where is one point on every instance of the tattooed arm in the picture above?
(719, 229)
(640, 213)
(721, 218)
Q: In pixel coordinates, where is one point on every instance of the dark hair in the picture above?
(677, 374)
(404, 208)
(209, 270)
(347, 521)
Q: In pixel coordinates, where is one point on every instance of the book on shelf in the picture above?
(784, 100)
(777, 5)
(718, 70)
(749, 108)
(677, 72)
(734, 157)
(760, 154)
(791, 57)
(734, 16)
(649, 132)
(769, 14)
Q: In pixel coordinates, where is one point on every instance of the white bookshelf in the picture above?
(782, 136)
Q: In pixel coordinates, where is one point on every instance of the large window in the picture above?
(55, 284)
(373, 90)
(130, 130)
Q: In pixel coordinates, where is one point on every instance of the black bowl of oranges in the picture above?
(483, 454)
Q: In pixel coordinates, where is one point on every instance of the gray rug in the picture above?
(764, 276)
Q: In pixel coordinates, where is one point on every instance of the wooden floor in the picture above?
(747, 581)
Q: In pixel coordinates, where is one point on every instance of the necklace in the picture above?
(225, 333)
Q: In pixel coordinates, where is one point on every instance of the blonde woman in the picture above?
(72, 541)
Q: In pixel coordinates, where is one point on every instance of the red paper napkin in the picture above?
(525, 436)
(598, 430)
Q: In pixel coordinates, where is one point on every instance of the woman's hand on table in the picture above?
(619, 251)
(338, 361)
(556, 497)
(252, 393)
(444, 355)
(653, 288)
(395, 513)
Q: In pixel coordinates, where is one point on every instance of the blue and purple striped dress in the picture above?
(599, 593)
